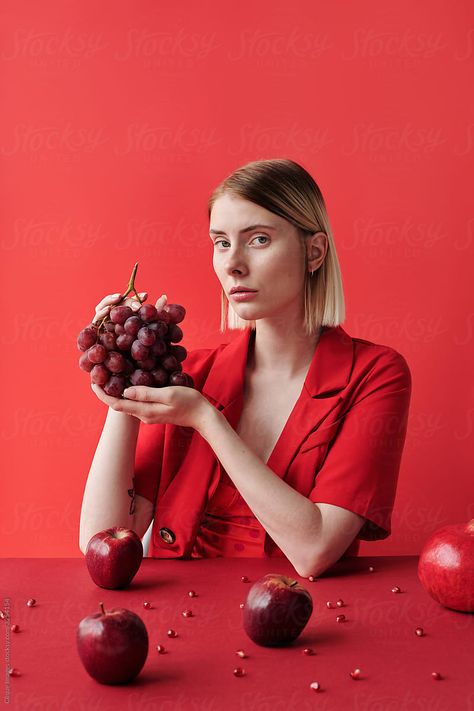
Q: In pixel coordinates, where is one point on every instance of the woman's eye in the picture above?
(219, 241)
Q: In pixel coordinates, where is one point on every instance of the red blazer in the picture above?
(342, 443)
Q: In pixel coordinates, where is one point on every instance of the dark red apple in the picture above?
(446, 566)
(112, 645)
(276, 610)
(113, 557)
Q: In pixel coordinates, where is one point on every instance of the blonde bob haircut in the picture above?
(285, 188)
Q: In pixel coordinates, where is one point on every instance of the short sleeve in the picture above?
(148, 460)
(360, 471)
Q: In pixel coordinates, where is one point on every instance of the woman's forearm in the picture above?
(292, 520)
(108, 496)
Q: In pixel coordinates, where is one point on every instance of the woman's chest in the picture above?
(267, 407)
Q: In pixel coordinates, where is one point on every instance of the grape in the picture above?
(115, 362)
(108, 340)
(119, 314)
(178, 378)
(146, 336)
(148, 312)
(174, 334)
(124, 341)
(86, 338)
(179, 352)
(134, 348)
(115, 386)
(161, 376)
(99, 374)
(85, 363)
(132, 325)
(147, 364)
(176, 312)
(158, 348)
(169, 362)
(97, 353)
(158, 327)
(163, 316)
(142, 377)
(139, 351)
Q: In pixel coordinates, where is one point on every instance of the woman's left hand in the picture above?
(174, 404)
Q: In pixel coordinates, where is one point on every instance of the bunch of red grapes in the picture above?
(135, 348)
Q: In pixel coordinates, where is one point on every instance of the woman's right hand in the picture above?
(104, 306)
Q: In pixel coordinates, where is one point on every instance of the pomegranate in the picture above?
(446, 566)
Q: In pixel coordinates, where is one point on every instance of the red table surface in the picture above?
(196, 672)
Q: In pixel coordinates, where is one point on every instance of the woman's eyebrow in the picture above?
(246, 229)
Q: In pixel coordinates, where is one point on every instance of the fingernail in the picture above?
(129, 392)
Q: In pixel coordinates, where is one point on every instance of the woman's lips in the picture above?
(243, 295)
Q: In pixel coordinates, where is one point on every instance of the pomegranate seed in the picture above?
(436, 675)
(340, 603)
(242, 604)
(172, 633)
(241, 653)
(13, 671)
(329, 605)
(371, 568)
(340, 618)
(419, 631)
(187, 613)
(2, 615)
(147, 605)
(315, 686)
(308, 651)
(15, 628)
(355, 674)
(31, 602)
(244, 579)
(191, 593)
(238, 671)
(160, 649)
(396, 589)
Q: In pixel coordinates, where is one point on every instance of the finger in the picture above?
(100, 314)
(144, 393)
(110, 299)
(161, 302)
(113, 402)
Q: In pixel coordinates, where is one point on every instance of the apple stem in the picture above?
(101, 605)
(295, 582)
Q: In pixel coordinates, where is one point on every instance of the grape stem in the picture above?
(130, 287)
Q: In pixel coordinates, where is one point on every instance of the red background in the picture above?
(119, 118)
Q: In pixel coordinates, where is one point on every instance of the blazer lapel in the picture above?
(181, 506)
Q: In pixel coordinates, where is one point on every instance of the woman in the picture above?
(291, 440)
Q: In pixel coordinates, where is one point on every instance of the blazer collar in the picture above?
(328, 373)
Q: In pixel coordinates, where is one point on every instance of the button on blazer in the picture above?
(342, 443)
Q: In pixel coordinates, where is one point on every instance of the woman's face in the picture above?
(269, 259)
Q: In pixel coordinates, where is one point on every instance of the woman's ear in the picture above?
(317, 247)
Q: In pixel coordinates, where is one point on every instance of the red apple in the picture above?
(112, 645)
(113, 557)
(276, 610)
(446, 566)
